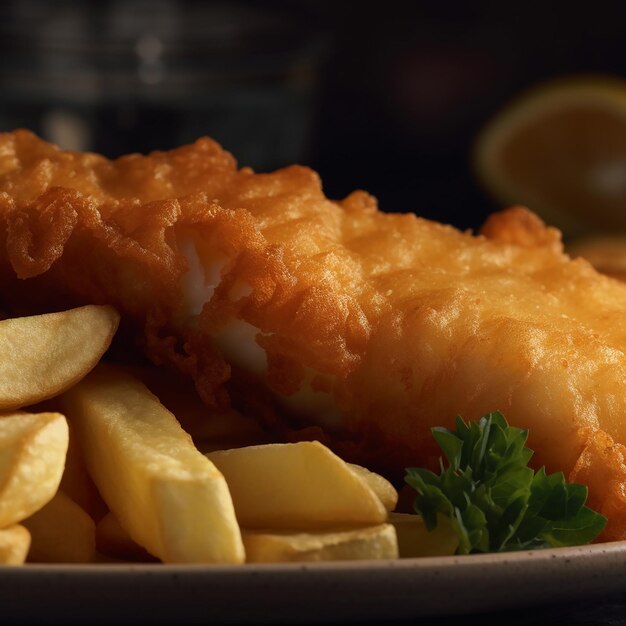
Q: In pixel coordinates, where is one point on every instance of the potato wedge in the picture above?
(43, 355)
(168, 496)
(61, 532)
(32, 457)
(296, 486)
(370, 542)
(415, 540)
(378, 484)
(14, 544)
(114, 542)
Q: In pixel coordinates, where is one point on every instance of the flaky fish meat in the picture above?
(324, 319)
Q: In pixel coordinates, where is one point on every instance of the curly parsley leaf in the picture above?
(494, 501)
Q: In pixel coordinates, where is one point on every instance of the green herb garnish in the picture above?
(495, 502)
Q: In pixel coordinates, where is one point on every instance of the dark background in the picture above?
(385, 96)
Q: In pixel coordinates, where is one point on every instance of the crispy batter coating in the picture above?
(328, 319)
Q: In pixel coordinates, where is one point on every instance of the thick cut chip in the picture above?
(43, 355)
(385, 491)
(61, 532)
(296, 486)
(372, 542)
(415, 540)
(167, 495)
(77, 483)
(14, 544)
(32, 457)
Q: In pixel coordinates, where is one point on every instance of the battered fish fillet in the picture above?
(328, 319)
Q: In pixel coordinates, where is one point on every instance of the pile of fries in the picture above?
(95, 468)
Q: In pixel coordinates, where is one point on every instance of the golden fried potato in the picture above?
(296, 486)
(378, 484)
(14, 544)
(61, 532)
(370, 542)
(415, 540)
(77, 483)
(32, 457)
(168, 496)
(44, 355)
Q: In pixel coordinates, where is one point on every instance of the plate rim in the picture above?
(586, 551)
(314, 593)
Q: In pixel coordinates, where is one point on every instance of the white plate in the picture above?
(308, 593)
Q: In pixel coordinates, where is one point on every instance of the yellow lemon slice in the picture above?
(560, 149)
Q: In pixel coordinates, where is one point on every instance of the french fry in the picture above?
(167, 495)
(14, 544)
(77, 483)
(385, 491)
(113, 541)
(296, 486)
(372, 542)
(61, 532)
(415, 540)
(43, 355)
(32, 457)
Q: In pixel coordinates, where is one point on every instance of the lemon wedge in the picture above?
(560, 149)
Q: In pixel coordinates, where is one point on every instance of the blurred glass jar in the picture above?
(137, 75)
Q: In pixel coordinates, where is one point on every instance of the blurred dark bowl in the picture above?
(134, 76)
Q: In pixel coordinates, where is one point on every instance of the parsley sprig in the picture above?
(495, 502)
